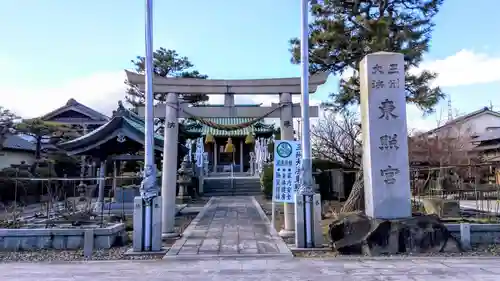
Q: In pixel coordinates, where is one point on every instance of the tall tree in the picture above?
(41, 130)
(342, 32)
(7, 120)
(167, 63)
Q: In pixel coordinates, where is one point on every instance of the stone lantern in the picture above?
(184, 180)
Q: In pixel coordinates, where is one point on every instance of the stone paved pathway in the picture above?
(229, 226)
(333, 269)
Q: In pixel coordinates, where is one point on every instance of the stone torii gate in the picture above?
(172, 110)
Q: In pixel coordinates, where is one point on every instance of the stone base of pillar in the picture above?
(289, 218)
(286, 233)
(184, 198)
(170, 235)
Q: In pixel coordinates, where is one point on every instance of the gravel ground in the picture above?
(53, 255)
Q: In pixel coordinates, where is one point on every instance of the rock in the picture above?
(441, 207)
(355, 233)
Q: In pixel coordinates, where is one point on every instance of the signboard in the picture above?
(286, 167)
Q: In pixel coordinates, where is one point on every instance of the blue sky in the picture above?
(53, 50)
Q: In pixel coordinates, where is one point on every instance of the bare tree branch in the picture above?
(336, 138)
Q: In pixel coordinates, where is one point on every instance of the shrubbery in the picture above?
(266, 180)
(16, 184)
(12, 189)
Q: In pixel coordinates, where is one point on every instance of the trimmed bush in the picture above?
(266, 180)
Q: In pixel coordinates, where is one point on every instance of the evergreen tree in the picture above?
(42, 130)
(7, 120)
(167, 63)
(342, 32)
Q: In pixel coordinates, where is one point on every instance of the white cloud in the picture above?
(465, 68)
(100, 91)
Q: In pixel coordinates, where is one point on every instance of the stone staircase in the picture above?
(237, 186)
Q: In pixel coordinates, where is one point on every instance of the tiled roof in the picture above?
(127, 116)
(15, 142)
(72, 104)
(196, 127)
(124, 120)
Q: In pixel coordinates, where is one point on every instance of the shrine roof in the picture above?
(197, 127)
(124, 122)
(75, 112)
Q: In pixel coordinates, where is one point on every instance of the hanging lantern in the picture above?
(249, 139)
(229, 146)
(209, 138)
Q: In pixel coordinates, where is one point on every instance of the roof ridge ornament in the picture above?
(72, 102)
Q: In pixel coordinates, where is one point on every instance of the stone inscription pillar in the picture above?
(169, 167)
(385, 136)
(286, 126)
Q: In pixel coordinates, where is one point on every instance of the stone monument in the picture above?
(385, 136)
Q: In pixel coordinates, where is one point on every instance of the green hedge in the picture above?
(266, 180)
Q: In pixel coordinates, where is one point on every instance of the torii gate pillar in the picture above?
(169, 167)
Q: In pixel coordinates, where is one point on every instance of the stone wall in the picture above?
(479, 233)
(61, 238)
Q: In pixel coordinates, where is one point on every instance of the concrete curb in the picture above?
(195, 257)
(283, 248)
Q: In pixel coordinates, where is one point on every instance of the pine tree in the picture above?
(40, 130)
(167, 63)
(343, 32)
(7, 120)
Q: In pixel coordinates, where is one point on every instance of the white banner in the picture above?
(285, 170)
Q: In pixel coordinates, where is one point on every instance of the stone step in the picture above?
(230, 186)
(232, 189)
(229, 183)
(209, 194)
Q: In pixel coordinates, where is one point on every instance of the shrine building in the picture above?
(228, 140)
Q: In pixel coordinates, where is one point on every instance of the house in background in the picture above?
(454, 139)
(77, 114)
(470, 125)
(16, 150)
(465, 140)
(487, 145)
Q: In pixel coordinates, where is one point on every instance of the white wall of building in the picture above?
(475, 125)
(8, 158)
